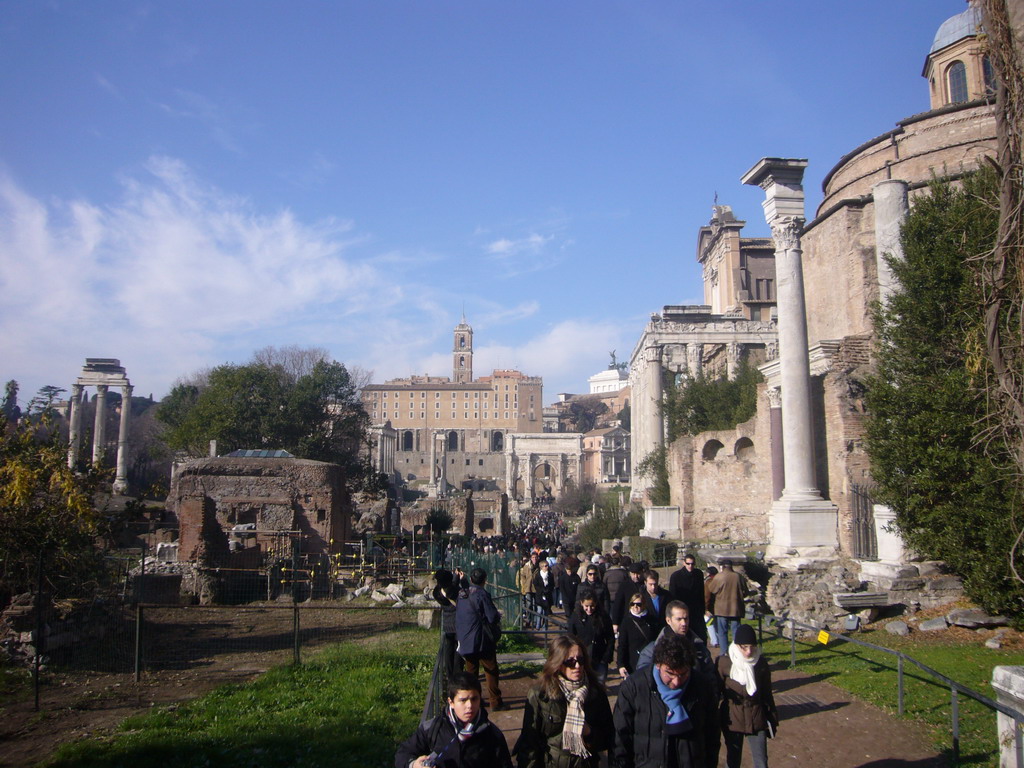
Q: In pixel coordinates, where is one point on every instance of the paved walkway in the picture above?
(821, 725)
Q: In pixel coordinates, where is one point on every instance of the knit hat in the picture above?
(745, 635)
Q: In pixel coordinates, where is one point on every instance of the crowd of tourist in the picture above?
(676, 703)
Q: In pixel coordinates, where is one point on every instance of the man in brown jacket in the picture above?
(728, 588)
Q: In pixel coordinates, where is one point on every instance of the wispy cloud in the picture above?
(190, 105)
(532, 244)
(171, 273)
(108, 86)
(539, 248)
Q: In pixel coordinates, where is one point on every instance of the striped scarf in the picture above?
(572, 731)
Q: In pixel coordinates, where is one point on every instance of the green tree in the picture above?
(950, 487)
(42, 403)
(316, 415)
(9, 407)
(701, 404)
(46, 510)
(655, 466)
(575, 500)
(584, 412)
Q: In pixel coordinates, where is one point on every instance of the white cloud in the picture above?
(533, 244)
(167, 279)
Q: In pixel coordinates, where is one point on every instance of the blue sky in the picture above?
(182, 183)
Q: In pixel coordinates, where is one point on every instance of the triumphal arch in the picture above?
(539, 465)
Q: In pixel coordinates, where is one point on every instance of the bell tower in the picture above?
(462, 353)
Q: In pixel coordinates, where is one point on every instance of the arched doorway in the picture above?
(407, 440)
(453, 441)
(497, 442)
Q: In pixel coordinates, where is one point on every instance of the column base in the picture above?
(798, 525)
(119, 487)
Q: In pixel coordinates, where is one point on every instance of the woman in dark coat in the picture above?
(446, 594)
(635, 632)
(568, 585)
(592, 627)
(567, 721)
(597, 588)
(543, 593)
(748, 706)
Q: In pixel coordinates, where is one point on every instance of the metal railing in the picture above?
(955, 688)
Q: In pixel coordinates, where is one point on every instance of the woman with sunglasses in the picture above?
(635, 632)
(567, 721)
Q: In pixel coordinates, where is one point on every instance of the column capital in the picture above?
(774, 396)
(652, 354)
(786, 231)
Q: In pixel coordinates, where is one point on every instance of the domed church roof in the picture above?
(956, 28)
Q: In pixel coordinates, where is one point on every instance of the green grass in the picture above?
(871, 676)
(348, 706)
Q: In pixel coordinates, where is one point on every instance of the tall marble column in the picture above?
(801, 518)
(433, 459)
(775, 429)
(891, 208)
(74, 436)
(121, 477)
(652, 408)
(99, 429)
(732, 359)
(695, 359)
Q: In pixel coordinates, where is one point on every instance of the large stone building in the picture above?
(726, 483)
(450, 431)
(736, 324)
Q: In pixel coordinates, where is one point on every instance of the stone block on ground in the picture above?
(428, 619)
(945, 584)
(930, 568)
(933, 625)
(393, 589)
(379, 597)
(897, 628)
(972, 618)
(362, 591)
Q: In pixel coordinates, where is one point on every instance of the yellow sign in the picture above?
(823, 637)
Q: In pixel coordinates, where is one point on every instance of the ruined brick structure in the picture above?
(275, 496)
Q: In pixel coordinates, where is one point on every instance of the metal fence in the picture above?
(955, 689)
(865, 538)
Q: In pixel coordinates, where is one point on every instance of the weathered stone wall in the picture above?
(941, 141)
(844, 422)
(271, 494)
(722, 482)
(414, 466)
(840, 247)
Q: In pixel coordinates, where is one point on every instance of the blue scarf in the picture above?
(678, 720)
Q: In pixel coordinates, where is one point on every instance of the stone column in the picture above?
(891, 208)
(652, 408)
(121, 478)
(75, 417)
(695, 359)
(801, 517)
(774, 397)
(732, 358)
(99, 429)
(433, 459)
(442, 480)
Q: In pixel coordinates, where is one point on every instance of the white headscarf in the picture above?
(743, 668)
